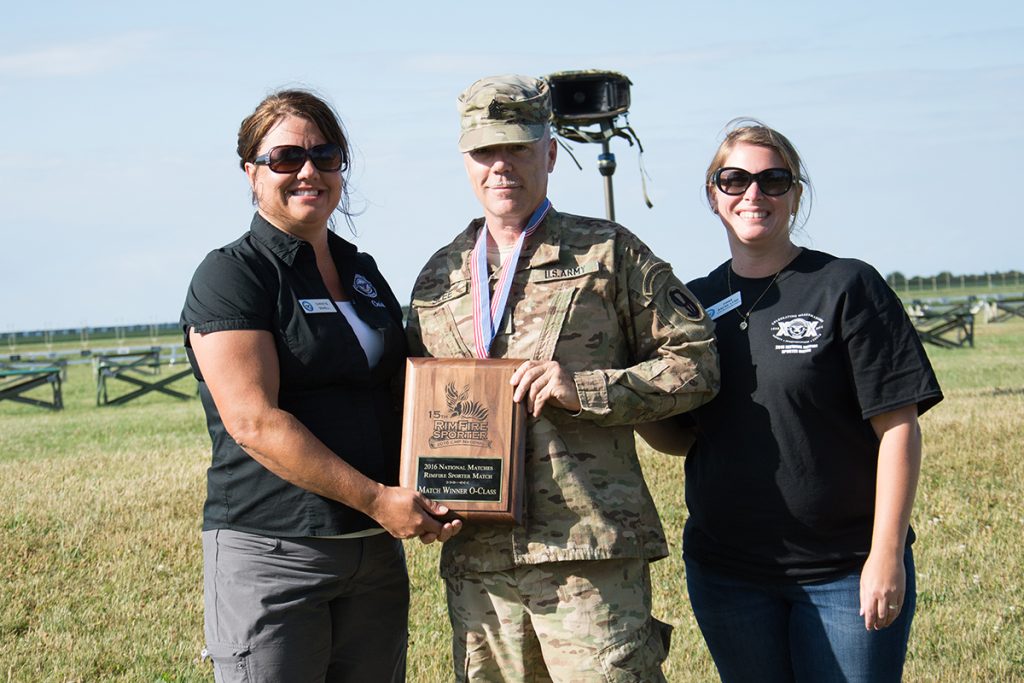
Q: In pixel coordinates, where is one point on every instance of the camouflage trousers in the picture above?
(566, 622)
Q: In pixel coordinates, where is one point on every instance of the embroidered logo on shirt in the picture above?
(798, 332)
(364, 287)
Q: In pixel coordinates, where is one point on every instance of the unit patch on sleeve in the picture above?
(689, 307)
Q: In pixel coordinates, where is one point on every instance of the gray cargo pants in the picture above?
(305, 609)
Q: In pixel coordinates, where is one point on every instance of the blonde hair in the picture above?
(750, 131)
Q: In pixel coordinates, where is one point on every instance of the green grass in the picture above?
(100, 559)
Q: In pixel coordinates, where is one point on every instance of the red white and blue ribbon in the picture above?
(487, 312)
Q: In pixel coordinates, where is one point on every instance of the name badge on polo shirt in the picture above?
(317, 306)
(724, 306)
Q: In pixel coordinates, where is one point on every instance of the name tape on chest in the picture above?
(456, 291)
(564, 273)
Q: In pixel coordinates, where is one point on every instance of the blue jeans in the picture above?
(775, 633)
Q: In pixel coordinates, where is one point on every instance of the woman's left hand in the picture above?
(883, 583)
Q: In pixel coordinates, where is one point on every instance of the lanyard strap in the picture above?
(487, 313)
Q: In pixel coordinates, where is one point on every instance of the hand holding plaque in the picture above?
(463, 436)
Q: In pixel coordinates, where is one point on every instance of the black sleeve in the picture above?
(887, 361)
(227, 293)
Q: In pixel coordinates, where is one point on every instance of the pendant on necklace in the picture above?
(743, 325)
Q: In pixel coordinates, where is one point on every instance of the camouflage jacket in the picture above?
(590, 295)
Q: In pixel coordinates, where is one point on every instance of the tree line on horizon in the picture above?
(946, 279)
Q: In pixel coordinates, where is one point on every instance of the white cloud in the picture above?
(77, 59)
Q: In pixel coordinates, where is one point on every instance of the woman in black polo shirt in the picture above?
(297, 342)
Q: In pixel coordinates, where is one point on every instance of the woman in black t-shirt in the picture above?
(802, 471)
(297, 342)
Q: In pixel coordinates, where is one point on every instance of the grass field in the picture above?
(100, 567)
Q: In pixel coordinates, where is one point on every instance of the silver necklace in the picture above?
(745, 318)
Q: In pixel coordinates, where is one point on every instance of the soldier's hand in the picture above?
(540, 382)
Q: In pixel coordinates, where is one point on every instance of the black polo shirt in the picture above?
(268, 280)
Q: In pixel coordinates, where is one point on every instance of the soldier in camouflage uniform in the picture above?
(610, 338)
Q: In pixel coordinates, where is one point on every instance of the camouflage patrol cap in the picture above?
(500, 110)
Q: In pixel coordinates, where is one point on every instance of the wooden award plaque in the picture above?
(463, 437)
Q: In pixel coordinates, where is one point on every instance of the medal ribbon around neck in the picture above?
(487, 312)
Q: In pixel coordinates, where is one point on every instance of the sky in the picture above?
(118, 126)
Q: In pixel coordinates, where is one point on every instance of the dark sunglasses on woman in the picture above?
(328, 158)
(735, 181)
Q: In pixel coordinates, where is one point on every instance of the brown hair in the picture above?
(303, 104)
(752, 132)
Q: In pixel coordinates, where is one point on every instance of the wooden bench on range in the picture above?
(141, 369)
(949, 325)
(1007, 307)
(18, 377)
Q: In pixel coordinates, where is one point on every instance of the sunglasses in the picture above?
(735, 181)
(328, 158)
